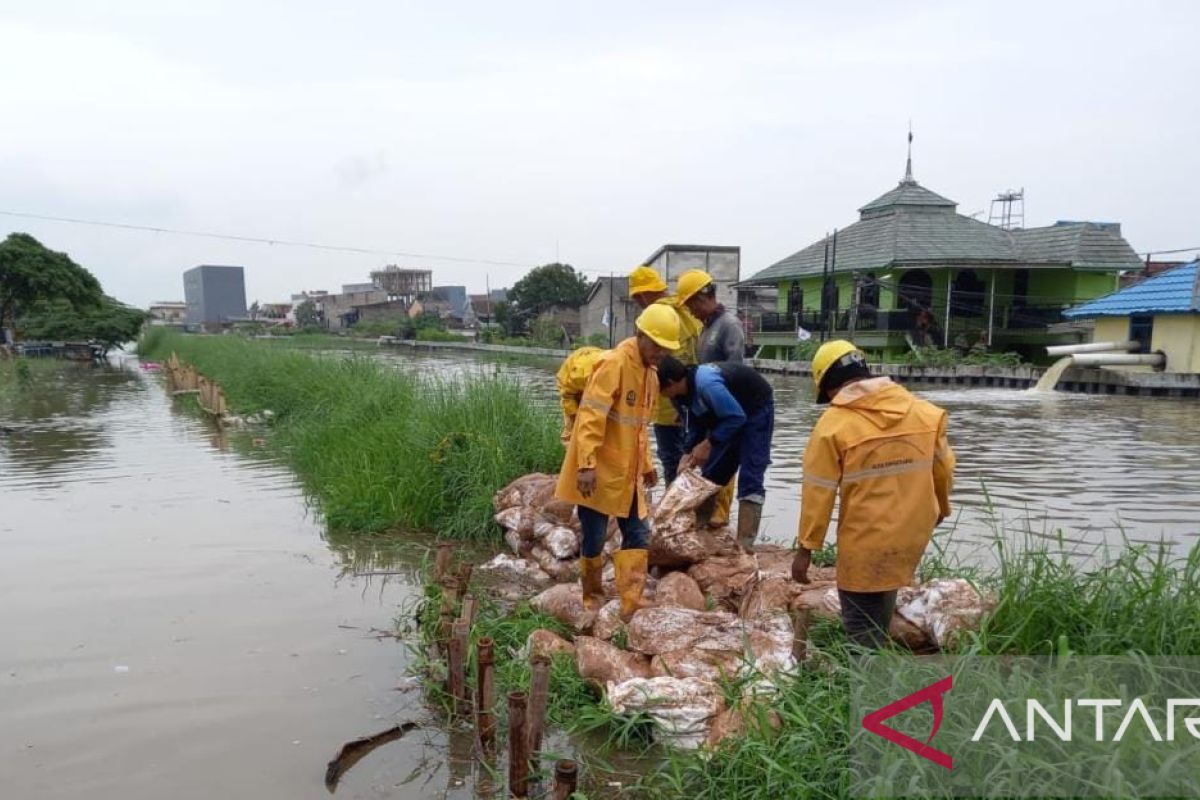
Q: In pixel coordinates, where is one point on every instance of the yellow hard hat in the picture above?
(660, 323)
(645, 279)
(828, 355)
(691, 282)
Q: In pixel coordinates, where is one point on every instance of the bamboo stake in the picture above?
(485, 695)
(441, 562)
(801, 617)
(518, 745)
(458, 668)
(464, 574)
(468, 610)
(539, 688)
(566, 777)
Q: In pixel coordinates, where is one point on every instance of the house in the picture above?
(339, 312)
(1162, 313)
(723, 262)
(168, 312)
(913, 270)
(608, 297)
(215, 296)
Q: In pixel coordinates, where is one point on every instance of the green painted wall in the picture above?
(1089, 285)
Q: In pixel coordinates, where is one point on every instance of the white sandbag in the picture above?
(682, 708)
(944, 608)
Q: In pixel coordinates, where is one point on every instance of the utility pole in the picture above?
(833, 282)
(612, 322)
(824, 280)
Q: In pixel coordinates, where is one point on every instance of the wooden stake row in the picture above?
(526, 711)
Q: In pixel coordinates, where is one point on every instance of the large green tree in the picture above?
(545, 287)
(31, 274)
(110, 323)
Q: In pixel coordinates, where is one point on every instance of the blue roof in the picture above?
(1176, 291)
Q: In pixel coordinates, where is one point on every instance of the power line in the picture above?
(262, 240)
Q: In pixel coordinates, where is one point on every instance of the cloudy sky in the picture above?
(593, 132)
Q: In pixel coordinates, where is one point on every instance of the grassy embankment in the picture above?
(1138, 601)
(379, 448)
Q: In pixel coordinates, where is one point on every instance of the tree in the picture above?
(109, 323)
(306, 315)
(545, 287)
(31, 274)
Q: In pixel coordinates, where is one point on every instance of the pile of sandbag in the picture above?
(718, 613)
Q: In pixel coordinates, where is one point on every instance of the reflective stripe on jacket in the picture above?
(573, 376)
(611, 434)
(885, 452)
(689, 334)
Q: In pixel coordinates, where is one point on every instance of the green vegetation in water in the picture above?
(376, 447)
(952, 357)
(1050, 602)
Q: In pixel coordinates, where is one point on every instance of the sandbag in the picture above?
(508, 569)
(547, 644)
(558, 569)
(725, 578)
(944, 608)
(561, 542)
(525, 490)
(713, 665)
(679, 590)
(761, 644)
(564, 602)
(608, 621)
(603, 663)
(681, 708)
(674, 539)
(770, 596)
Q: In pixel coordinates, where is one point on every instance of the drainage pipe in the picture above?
(1120, 360)
(1090, 347)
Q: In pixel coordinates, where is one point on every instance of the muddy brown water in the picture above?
(173, 622)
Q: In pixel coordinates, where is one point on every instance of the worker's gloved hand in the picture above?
(585, 481)
(800, 565)
(650, 478)
(701, 452)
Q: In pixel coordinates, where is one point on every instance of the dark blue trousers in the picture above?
(747, 455)
(669, 439)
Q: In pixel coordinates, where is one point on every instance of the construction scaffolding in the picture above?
(403, 284)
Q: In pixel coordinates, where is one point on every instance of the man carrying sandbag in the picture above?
(885, 451)
(730, 411)
(607, 468)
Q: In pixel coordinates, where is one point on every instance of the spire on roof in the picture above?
(908, 178)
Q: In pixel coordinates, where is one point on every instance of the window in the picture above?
(1141, 330)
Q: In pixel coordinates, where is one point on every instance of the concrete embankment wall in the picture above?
(1075, 379)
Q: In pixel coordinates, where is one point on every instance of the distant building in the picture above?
(911, 270)
(169, 313)
(723, 262)
(403, 284)
(353, 288)
(608, 297)
(339, 312)
(215, 296)
(1161, 313)
(455, 296)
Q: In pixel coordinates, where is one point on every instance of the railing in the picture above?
(1024, 318)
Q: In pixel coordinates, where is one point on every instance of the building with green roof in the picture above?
(912, 270)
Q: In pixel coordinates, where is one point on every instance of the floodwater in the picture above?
(1089, 471)
(174, 623)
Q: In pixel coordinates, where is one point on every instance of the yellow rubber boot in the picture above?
(720, 515)
(631, 579)
(591, 571)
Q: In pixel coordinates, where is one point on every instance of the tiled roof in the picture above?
(912, 226)
(1176, 291)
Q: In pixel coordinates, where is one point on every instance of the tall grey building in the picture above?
(214, 295)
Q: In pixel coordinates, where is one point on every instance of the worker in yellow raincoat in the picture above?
(647, 288)
(607, 468)
(572, 378)
(885, 453)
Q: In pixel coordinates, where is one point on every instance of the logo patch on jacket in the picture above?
(631, 398)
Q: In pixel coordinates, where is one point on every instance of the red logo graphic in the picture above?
(932, 693)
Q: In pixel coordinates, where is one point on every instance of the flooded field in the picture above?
(177, 624)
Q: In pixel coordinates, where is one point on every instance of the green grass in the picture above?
(379, 448)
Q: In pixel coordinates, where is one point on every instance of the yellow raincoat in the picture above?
(886, 453)
(612, 434)
(689, 332)
(572, 378)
